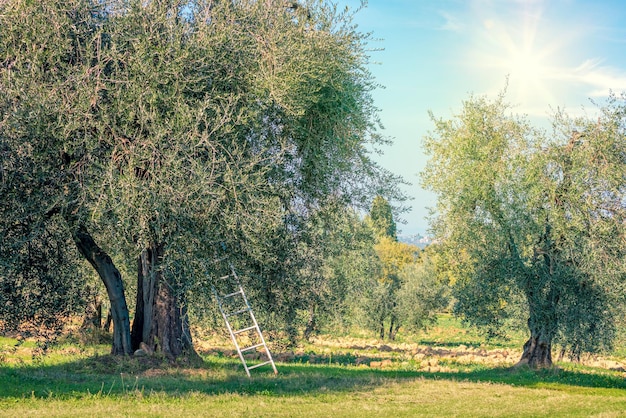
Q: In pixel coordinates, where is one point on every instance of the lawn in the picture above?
(348, 376)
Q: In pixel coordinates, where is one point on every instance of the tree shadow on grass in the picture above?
(119, 376)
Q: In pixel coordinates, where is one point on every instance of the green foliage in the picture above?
(381, 302)
(404, 289)
(44, 50)
(537, 224)
(343, 246)
(40, 280)
(421, 295)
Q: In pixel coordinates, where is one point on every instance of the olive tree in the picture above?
(423, 292)
(381, 218)
(163, 129)
(536, 223)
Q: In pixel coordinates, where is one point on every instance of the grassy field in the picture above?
(448, 371)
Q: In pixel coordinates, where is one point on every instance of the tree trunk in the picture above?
(290, 326)
(393, 330)
(311, 323)
(160, 322)
(543, 295)
(537, 352)
(538, 349)
(144, 301)
(392, 323)
(112, 280)
(107, 322)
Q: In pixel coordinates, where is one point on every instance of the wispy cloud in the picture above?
(599, 78)
(591, 78)
(451, 23)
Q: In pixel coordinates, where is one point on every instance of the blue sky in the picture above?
(556, 54)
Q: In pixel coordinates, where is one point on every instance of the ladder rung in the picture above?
(244, 330)
(232, 294)
(238, 312)
(252, 347)
(259, 365)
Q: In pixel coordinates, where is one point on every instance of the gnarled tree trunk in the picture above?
(112, 280)
(537, 351)
(394, 326)
(542, 325)
(160, 318)
(543, 295)
(311, 325)
(93, 313)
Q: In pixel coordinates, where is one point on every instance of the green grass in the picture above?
(450, 331)
(322, 379)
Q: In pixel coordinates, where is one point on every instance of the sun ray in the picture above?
(519, 46)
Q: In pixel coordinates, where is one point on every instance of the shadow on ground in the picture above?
(109, 375)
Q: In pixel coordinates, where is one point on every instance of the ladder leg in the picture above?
(267, 350)
(230, 331)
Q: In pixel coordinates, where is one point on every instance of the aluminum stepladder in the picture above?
(235, 296)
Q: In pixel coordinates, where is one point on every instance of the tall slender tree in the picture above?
(381, 217)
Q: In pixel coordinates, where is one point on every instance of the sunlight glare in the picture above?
(528, 71)
(524, 52)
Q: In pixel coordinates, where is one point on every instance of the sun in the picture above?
(518, 50)
(527, 67)
(527, 64)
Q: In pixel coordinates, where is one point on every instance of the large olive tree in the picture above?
(165, 130)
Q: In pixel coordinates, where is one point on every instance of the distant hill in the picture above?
(417, 239)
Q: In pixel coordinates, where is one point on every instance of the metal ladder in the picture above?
(236, 295)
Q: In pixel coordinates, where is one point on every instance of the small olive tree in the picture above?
(423, 293)
(536, 224)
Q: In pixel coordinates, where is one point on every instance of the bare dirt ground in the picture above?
(376, 354)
